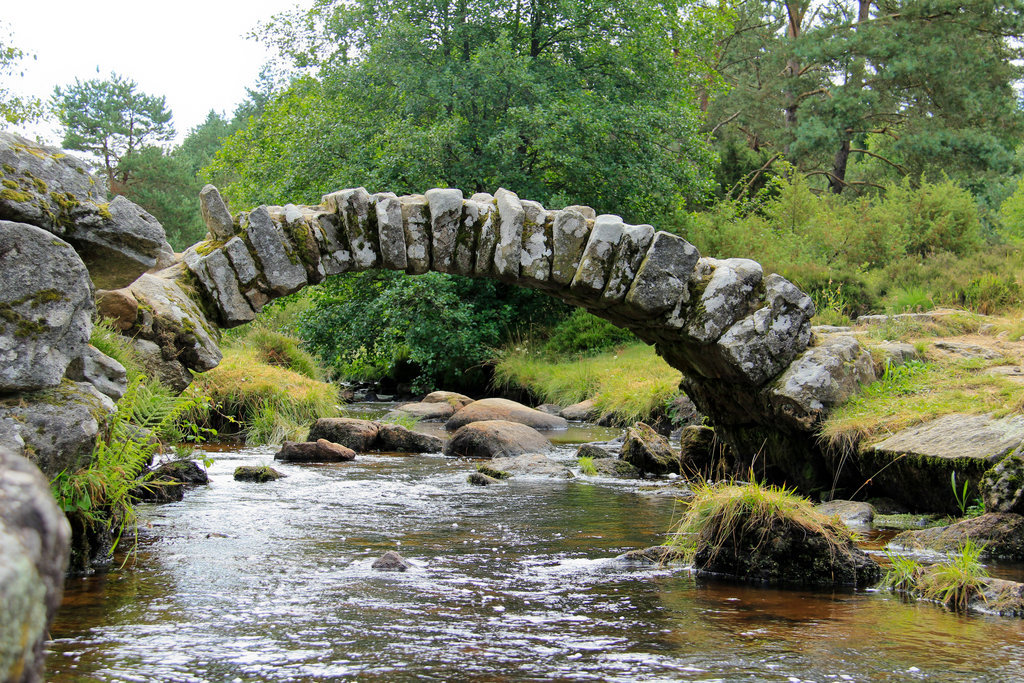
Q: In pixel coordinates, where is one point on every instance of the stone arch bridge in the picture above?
(739, 336)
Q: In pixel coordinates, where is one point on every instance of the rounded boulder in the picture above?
(496, 439)
(505, 410)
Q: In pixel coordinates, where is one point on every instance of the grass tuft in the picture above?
(954, 583)
(586, 464)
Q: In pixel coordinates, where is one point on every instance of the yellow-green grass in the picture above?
(630, 383)
(954, 582)
(268, 403)
(724, 511)
(930, 390)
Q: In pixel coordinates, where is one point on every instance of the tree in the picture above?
(885, 88)
(564, 102)
(114, 120)
(14, 109)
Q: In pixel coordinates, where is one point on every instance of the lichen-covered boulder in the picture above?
(504, 409)
(649, 451)
(701, 453)
(259, 474)
(496, 439)
(100, 370)
(46, 306)
(34, 546)
(1002, 487)
(117, 240)
(359, 435)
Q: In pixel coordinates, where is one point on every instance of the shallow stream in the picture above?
(272, 582)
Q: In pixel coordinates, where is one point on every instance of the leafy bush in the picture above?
(582, 332)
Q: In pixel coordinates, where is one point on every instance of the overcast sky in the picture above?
(194, 52)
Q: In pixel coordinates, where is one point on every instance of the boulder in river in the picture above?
(392, 437)
(359, 435)
(455, 400)
(504, 409)
(257, 473)
(391, 562)
(496, 439)
(533, 465)
(584, 411)
(426, 412)
(320, 450)
(849, 512)
(649, 451)
(1001, 534)
(481, 479)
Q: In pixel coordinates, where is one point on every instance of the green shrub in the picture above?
(282, 350)
(582, 332)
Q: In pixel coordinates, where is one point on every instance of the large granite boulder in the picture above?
(532, 465)
(359, 435)
(504, 409)
(320, 450)
(454, 399)
(426, 412)
(34, 546)
(496, 439)
(915, 466)
(46, 308)
(398, 439)
(117, 240)
(55, 428)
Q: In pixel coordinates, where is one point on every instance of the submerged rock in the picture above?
(320, 450)
(481, 479)
(508, 411)
(658, 554)
(533, 464)
(496, 439)
(391, 562)
(257, 473)
(649, 451)
(1001, 534)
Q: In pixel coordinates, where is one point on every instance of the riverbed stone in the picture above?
(533, 465)
(649, 451)
(496, 439)
(617, 468)
(425, 412)
(391, 562)
(584, 411)
(590, 450)
(931, 453)
(701, 453)
(850, 512)
(504, 409)
(398, 439)
(320, 450)
(1001, 535)
(35, 541)
(259, 474)
(168, 481)
(215, 213)
(359, 435)
(659, 555)
(46, 307)
(481, 479)
(452, 398)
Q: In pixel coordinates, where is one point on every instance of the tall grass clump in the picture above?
(263, 402)
(723, 513)
(630, 384)
(953, 583)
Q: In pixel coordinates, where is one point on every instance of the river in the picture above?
(272, 582)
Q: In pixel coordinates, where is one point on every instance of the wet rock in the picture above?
(614, 467)
(649, 451)
(584, 411)
(1001, 534)
(426, 412)
(849, 512)
(34, 546)
(786, 553)
(491, 472)
(391, 562)
(929, 454)
(46, 307)
(167, 482)
(549, 408)
(481, 479)
(359, 435)
(396, 438)
(503, 409)
(496, 439)
(320, 450)
(589, 450)
(534, 465)
(259, 474)
(658, 554)
(1002, 487)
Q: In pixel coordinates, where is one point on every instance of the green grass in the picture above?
(586, 464)
(953, 583)
(719, 512)
(267, 403)
(631, 383)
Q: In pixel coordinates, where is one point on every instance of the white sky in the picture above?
(194, 52)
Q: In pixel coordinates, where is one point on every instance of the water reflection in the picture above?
(273, 582)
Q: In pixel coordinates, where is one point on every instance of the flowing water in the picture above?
(272, 582)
